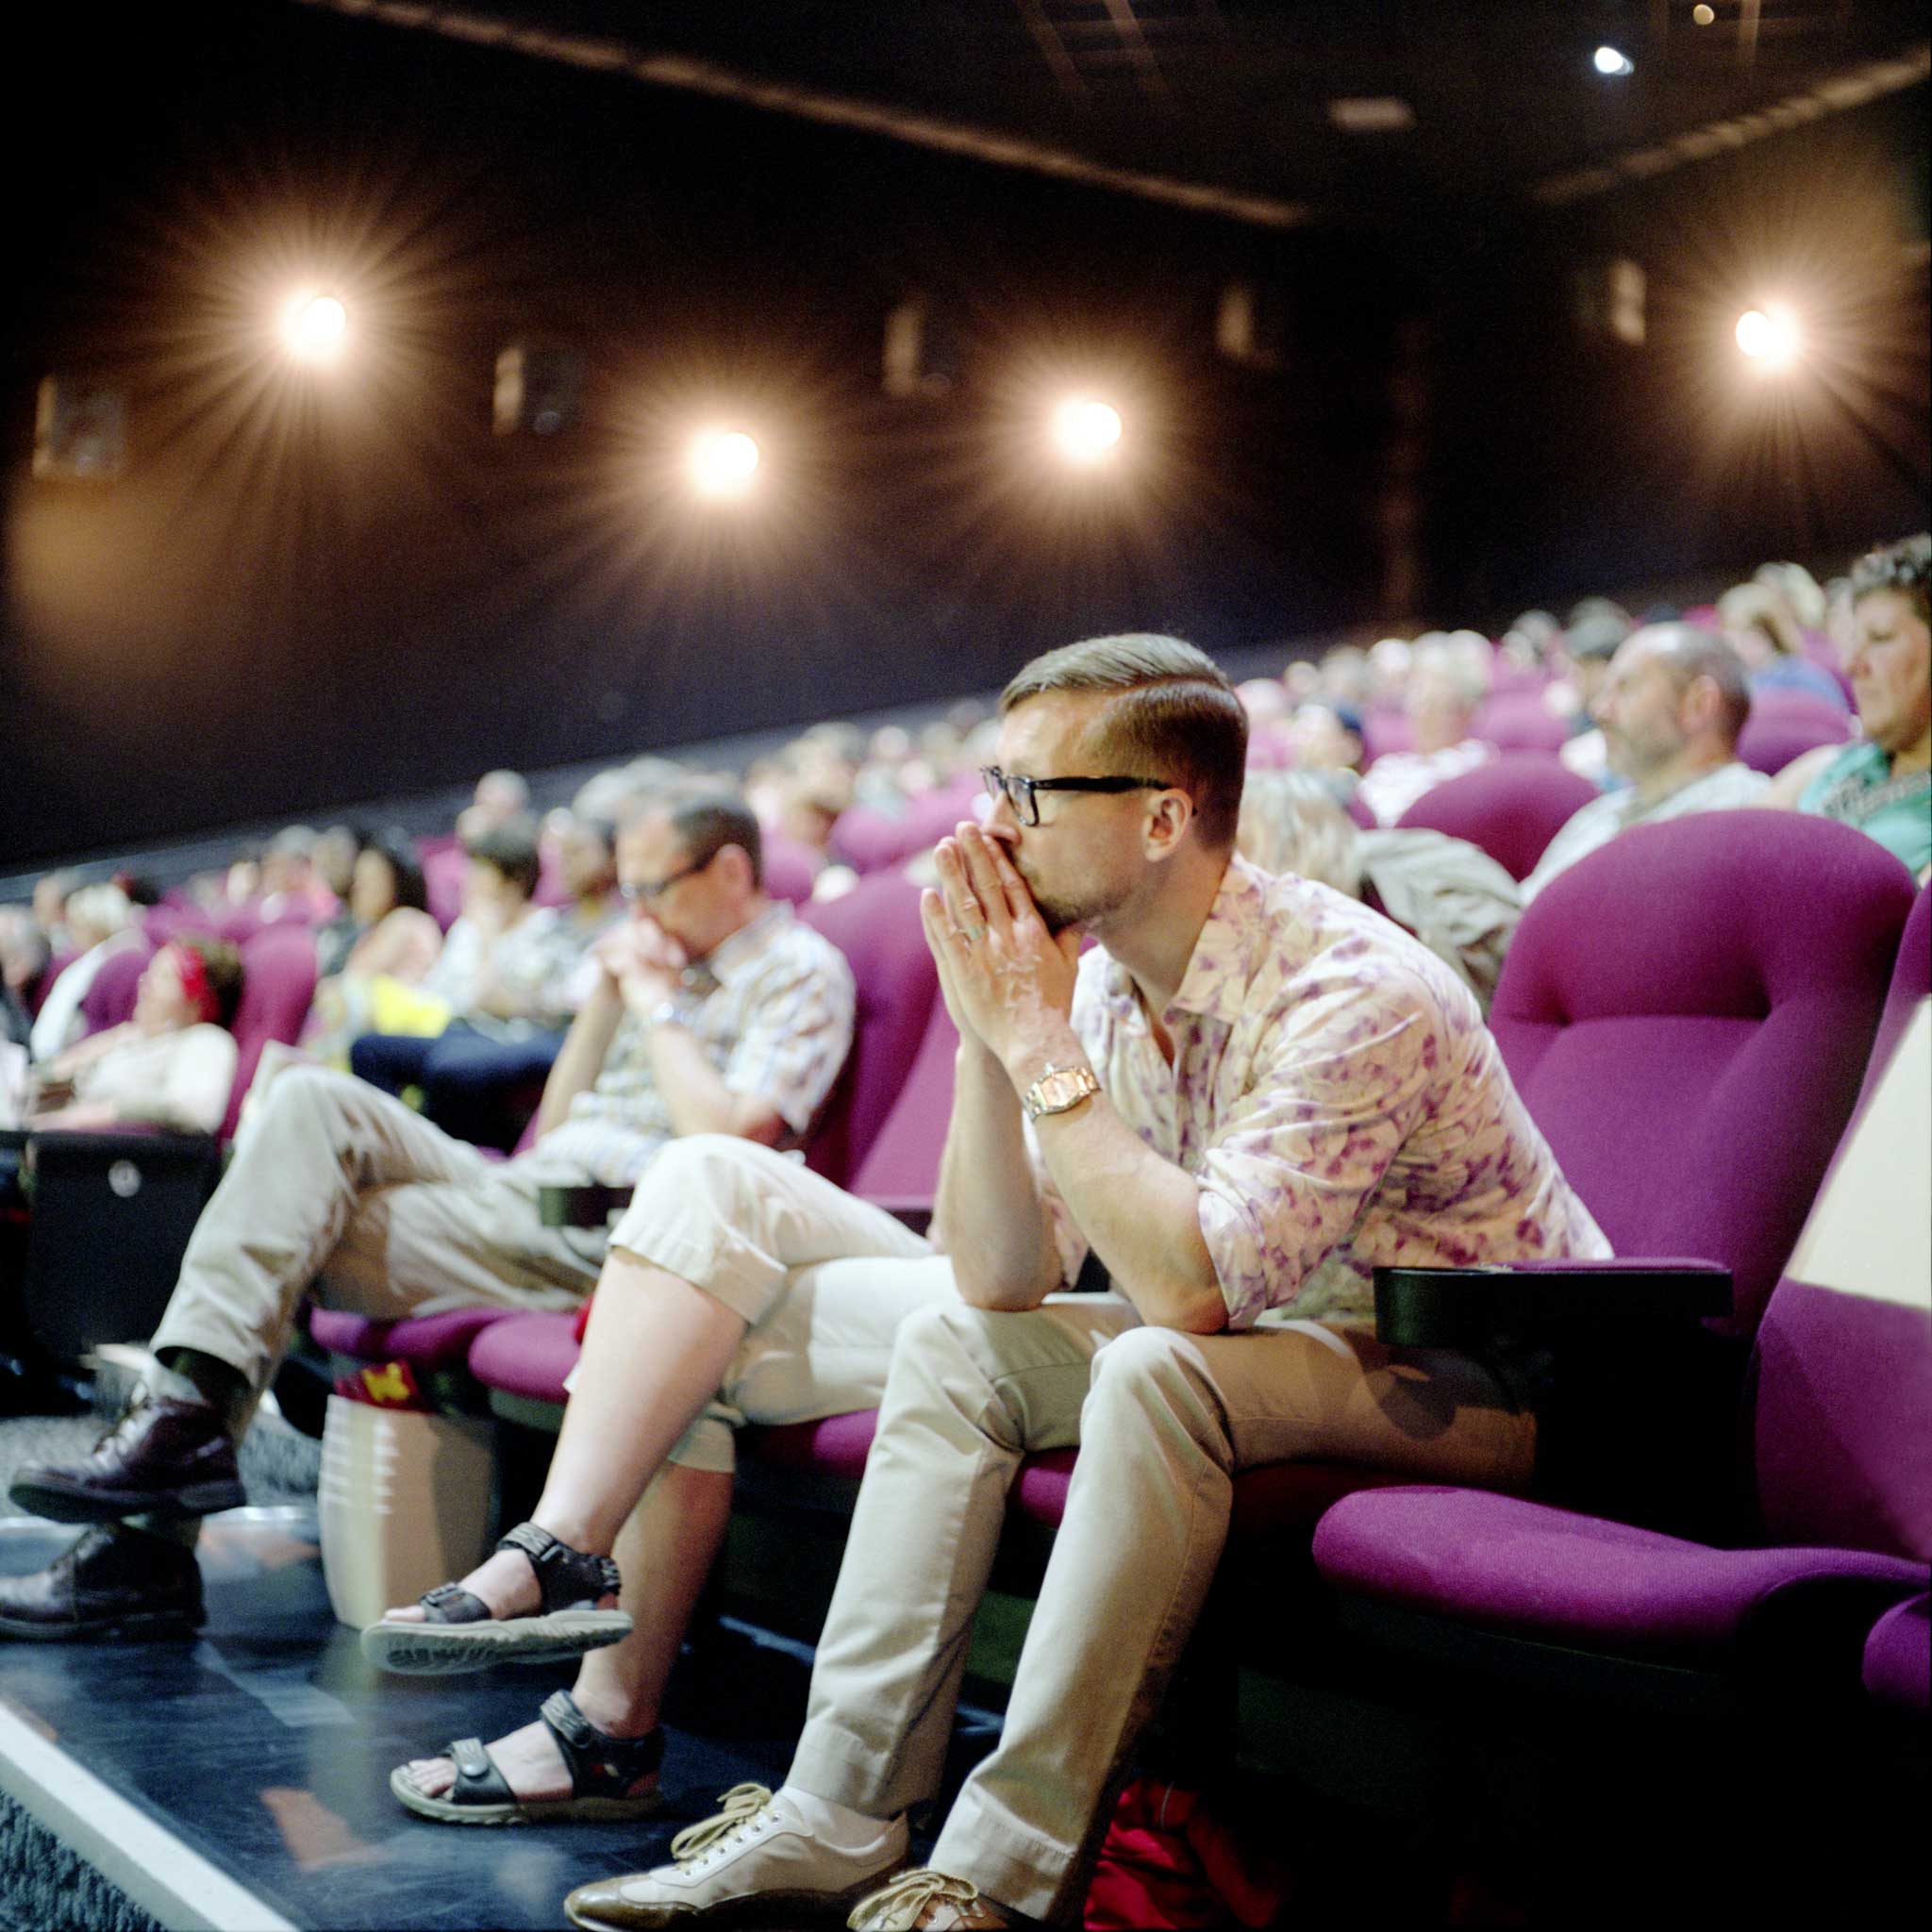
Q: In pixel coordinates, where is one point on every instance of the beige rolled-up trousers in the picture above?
(341, 1185)
(1165, 1420)
(820, 1279)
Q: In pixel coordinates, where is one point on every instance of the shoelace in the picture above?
(138, 1404)
(742, 1804)
(897, 1907)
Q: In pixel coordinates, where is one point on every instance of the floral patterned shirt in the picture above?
(1337, 1099)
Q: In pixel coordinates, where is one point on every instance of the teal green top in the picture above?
(1858, 788)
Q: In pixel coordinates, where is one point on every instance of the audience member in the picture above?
(1455, 898)
(1882, 783)
(25, 953)
(288, 885)
(1247, 1094)
(1327, 738)
(1671, 710)
(52, 891)
(100, 922)
(1765, 632)
(171, 1066)
(715, 1012)
(496, 1003)
(1588, 645)
(365, 937)
(334, 861)
(1443, 694)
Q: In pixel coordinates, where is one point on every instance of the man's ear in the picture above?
(1701, 703)
(1168, 819)
(736, 861)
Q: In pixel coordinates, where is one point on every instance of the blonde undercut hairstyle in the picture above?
(1176, 717)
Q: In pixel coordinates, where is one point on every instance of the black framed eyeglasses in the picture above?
(643, 892)
(1021, 791)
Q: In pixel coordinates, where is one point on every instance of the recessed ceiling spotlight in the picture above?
(1372, 114)
(1609, 61)
(1704, 15)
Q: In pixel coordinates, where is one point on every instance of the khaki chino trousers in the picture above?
(1165, 1421)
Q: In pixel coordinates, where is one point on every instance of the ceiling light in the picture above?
(314, 328)
(1609, 61)
(1085, 431)
(1770, 336)
(1704, 15)
(722, 463)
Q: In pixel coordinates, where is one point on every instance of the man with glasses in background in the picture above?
(1248, 1094)
(714, 1012)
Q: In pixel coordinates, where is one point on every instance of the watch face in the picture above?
(1055, 1091)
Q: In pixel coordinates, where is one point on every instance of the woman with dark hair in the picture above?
(386, 877)
(172, 1065)
(1882, 783)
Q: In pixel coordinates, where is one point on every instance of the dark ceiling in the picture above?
(1229, 104)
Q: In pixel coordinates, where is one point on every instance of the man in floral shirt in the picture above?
(1248, 1095)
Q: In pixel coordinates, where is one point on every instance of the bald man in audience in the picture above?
(1671, 710)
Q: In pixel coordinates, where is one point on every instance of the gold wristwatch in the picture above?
(1059, 1089)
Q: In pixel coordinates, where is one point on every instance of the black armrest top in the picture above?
(1473, 1309)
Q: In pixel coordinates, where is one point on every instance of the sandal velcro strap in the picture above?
(569, 1579)
(478, 1781)
(450, 1603)
(600, 1765)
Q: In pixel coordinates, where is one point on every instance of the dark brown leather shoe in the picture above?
(112, 1579)
(163, 1458)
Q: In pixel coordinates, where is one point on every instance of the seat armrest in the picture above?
(1476, 1309)
(581, 1206)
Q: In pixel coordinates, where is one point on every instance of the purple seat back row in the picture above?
(1785, 725)
(878, 927)
(1511, 809)
(869, 840)
(1686, 1013)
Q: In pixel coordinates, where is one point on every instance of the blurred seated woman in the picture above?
(170, 1066)
(367, 936)
(1881, 783)
(1455, 899)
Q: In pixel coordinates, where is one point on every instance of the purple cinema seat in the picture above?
(1686, 1013)
(1838, 1452)
(1385, 731)
(870, 840)
(445, 866)
(1519, 721)
(789, 868)
(1511, 808)
(1898, 1658)
(278, 984)
(1785, 725)
(110, 1000)
(876, 925)
(901, 1167)
(428, 1343)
